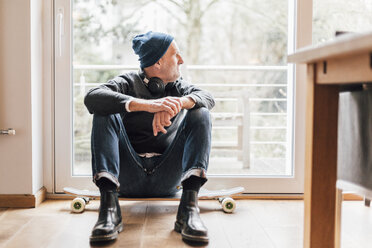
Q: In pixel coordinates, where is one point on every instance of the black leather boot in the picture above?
(109, 222)
(188, 221)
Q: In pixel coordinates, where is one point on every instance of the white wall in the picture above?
(21, 96)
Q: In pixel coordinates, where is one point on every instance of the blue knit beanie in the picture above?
(150, 47)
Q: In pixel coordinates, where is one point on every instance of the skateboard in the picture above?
(224, 196)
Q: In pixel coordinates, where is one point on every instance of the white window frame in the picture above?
(62, 167)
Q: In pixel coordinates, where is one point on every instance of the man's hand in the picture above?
(172, 105)
(161, 120)
(169, 104)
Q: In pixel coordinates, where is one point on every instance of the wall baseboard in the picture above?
(23, 201)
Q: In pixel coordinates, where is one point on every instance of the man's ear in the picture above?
(157, 65)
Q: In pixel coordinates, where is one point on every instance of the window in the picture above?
(239, 56)
(344, 16)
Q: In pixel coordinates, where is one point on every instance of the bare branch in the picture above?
(176, 3)
(208, 6)
(135, 11)
(265, 17)
(171, 13)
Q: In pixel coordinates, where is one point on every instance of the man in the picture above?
(151, 133)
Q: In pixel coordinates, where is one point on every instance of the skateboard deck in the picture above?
(223, 196)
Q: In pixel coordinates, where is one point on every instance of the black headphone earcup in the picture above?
(156, 86)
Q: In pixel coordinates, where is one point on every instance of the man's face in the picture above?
(170, 64)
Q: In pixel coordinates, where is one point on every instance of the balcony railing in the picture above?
(231, 119)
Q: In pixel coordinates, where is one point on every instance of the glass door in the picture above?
(239, 56)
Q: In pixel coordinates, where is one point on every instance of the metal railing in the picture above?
(188, 67)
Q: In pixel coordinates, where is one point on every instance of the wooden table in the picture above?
(346, 60)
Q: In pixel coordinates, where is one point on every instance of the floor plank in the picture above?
(256, 223)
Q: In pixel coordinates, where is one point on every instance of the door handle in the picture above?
(9, 131)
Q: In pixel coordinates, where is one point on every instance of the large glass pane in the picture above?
(235, 49)
(330, 16)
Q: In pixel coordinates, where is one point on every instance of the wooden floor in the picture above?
(256, 223)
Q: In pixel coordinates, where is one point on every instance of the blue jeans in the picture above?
(114, 158)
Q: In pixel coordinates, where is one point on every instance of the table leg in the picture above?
(321, 163)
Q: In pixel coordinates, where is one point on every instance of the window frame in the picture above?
(299, 23)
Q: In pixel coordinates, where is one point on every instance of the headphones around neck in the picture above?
(155, 85)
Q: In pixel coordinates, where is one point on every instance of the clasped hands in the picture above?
(165, 109)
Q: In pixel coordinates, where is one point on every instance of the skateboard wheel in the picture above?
(228, 205)
(78, 205)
